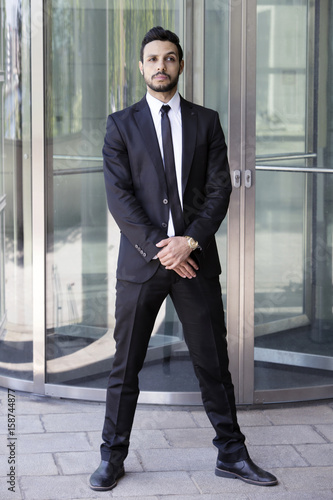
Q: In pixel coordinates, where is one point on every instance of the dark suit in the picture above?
(137, 198)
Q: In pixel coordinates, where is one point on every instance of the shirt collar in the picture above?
(155, 104)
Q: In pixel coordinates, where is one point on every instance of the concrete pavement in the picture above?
(54, 447)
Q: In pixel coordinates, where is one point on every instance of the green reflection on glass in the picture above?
(92, 70)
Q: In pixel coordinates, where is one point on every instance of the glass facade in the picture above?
(16, 339)
(293, 230)
(92, 70)
(279, 306)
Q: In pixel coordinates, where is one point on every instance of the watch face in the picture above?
(192, 243)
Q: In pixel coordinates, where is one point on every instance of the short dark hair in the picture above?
(159, 33)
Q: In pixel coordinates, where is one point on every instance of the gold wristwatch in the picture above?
(192, 243)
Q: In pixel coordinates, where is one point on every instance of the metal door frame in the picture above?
(2, 194)
(242, 133)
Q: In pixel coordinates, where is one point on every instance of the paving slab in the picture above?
(307, 479)
(9, 495)
(245, 418)
(305, 415)
(32, 404)
(28, 424)
(317, 455)
(272, 456)
(178, 459)
(58, 488)
(52, 442)
(326, 431)
(190, 438)
(41, 463)
(73, 422)
(200, 418)
(283, 434)
(155, 483)
(140, 439)
(87, 463)
(275, 493)
(156, 419)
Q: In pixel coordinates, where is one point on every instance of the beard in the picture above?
(162, 87)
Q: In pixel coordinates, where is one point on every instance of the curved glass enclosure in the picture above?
(16, 321)
(266, 66)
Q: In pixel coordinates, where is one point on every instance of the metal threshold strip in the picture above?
(290, 358)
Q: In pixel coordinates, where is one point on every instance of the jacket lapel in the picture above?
(146, 127)
(189, 126)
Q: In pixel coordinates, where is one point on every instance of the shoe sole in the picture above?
(107, 488)
(232, 475)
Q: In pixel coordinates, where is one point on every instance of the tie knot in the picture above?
(165, 109)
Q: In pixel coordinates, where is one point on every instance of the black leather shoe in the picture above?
(247, 471)
(106, 476)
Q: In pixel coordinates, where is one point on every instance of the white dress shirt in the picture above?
(175, 118)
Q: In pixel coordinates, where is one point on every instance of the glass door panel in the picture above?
(293, 223)
(94, 71)
(15, 192)
(216, 89)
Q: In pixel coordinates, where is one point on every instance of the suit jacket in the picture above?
(137, 191)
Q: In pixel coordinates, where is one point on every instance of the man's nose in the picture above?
(161, 65)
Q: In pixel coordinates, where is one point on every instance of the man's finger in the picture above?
(163, 243)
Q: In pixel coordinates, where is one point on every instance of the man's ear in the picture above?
(141, 67)
(181, 66)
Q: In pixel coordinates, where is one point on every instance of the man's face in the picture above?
(161, 66)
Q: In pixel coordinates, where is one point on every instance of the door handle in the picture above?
(237, 178)
(248, 178)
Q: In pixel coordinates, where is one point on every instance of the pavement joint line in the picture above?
(42, 422)
(195, 420)
(91, 444)
(169, 442)
(191, 413)
(294, 446)
(57, 464)
(195, 483)
(139, 458)
(327, 440)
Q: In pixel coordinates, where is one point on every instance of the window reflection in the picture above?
(15, 183)
(93, 71)
(293, 266)
(282, 64)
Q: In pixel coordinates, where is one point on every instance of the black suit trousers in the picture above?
(198, 303)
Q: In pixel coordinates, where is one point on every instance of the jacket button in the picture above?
(164, 224)
(144, 254)
(165, 201)
(136, 246)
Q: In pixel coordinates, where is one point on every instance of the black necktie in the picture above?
(170, 173)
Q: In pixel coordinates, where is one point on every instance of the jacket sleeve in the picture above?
(206, 207)
(122, 202)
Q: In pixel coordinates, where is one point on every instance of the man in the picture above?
(168, 187)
